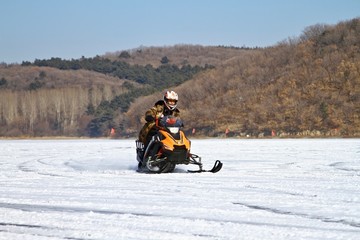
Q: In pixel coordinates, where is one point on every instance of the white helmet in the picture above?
(173, 97)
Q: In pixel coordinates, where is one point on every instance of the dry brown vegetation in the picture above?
(179, 55)
(19, 77)
(306, 86)
(301, 87)
(58, 106)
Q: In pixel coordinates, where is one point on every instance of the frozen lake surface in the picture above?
(267, 189)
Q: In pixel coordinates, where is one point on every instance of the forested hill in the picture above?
(89, 96)
(303, 86)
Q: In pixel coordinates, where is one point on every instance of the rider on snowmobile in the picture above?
(161, 144)
(166, 106)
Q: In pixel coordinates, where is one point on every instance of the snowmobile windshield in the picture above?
(170, 121)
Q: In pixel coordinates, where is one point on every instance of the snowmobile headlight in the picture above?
(173, 129)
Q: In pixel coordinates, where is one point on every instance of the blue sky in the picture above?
(41, 29)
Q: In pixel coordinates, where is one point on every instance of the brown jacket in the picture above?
(157, 111)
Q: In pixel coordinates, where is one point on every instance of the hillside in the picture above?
(308, 86)
(20, 78)
(42, 101)
(304, 86)
(84, 97)
(179, 55)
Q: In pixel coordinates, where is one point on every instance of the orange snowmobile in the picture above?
(168, 148)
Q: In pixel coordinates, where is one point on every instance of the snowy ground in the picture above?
(267, 189)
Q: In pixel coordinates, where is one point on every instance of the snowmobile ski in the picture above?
(217, 167)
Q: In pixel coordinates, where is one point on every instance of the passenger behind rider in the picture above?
(165, 107)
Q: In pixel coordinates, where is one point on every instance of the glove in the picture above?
(149, 118)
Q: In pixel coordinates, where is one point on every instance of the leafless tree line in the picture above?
(49, 111)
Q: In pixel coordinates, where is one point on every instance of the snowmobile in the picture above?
(168, 148)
